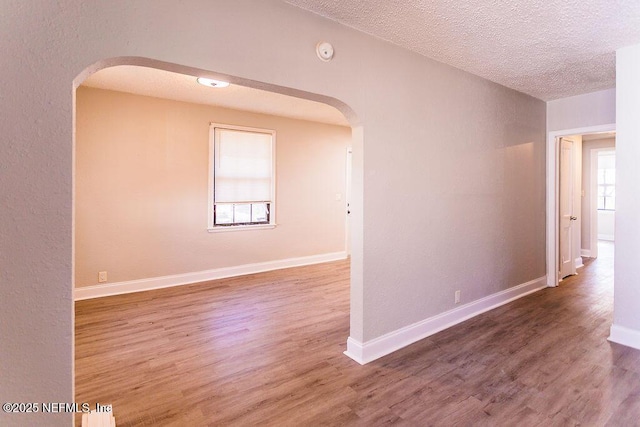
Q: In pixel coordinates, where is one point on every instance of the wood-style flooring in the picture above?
(266, 349)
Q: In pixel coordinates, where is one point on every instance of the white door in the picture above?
(567, 217)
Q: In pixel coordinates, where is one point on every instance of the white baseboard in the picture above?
(625, 336)
(355, 350)
(388, 343)
(118, 288)
(578, 262)
(585, 253)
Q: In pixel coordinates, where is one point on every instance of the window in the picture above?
(607, 181)
(241, 182)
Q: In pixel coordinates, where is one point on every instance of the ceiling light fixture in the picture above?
(212, 83)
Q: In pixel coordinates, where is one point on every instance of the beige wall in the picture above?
(142, 189)
(449, 173)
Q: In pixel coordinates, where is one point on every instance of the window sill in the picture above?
(240, 228)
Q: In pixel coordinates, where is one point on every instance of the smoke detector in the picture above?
(324, 50)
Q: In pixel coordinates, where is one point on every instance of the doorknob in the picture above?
(573, 218)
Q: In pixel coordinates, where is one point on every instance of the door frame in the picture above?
(553, 178)
(348, 173)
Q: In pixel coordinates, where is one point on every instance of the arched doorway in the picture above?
(76, 174)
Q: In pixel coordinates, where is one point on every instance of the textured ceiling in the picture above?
(549, 49)
(180, 87)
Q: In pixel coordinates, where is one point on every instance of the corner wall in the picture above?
(626, 322)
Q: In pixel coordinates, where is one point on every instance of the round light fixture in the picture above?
(212, 83)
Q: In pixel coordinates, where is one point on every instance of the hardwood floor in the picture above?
(266, 349)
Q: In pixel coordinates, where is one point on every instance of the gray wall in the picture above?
(626, 322)
(590, 109)
(449, 172)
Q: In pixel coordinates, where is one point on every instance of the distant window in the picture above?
(241, 176)
(606, 181)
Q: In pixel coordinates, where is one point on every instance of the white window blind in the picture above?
(241, 177)
(243, 166)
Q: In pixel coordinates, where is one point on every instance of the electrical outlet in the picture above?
(102, 276)
(457, 297)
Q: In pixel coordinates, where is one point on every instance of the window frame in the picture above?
(211, 226)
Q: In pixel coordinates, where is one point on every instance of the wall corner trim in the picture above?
(355, 350)
(625, 336)
(118, 288)
(388, 343)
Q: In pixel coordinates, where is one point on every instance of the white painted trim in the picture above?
(578, 262)
(585, 253)
(347, 199)
(230, 228)
(625, 336)
(395, 340)
(552, 194)
(593, 202)
(355, 350)
(108, 289)
(552, 211)
(607, 237)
